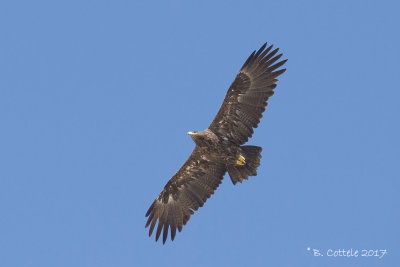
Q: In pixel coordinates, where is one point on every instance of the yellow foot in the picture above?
(241, 161)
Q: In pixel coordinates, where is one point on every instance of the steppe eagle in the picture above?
(219, 149)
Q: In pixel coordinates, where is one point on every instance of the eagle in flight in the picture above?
(219, 149)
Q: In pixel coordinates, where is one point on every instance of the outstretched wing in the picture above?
(184, 193)
(247, 96)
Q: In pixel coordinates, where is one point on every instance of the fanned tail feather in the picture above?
(252, 155)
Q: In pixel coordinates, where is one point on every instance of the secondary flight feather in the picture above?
(220, 148)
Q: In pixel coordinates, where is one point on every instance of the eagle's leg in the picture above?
(245, 164)
(241, 161)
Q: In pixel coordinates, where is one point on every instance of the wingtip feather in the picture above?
(165, 233)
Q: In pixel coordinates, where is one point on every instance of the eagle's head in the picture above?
(199, 137)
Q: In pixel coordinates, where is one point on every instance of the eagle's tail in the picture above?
(246, 165)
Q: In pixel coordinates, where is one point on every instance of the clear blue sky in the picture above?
(97, 97)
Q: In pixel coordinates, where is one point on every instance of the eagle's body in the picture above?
(220, 148)
(215, 148)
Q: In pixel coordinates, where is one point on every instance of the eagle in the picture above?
(220, 148)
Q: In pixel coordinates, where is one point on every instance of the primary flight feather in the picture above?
(219, 149)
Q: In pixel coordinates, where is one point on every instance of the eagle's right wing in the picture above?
(184, 193)
(247, 97)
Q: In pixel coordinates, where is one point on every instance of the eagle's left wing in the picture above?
(247, 97)
(184, 193)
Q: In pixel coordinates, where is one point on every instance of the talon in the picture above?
(241, 161)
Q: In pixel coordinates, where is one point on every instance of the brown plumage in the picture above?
(220, 147)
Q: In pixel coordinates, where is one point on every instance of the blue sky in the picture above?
(96, 98)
